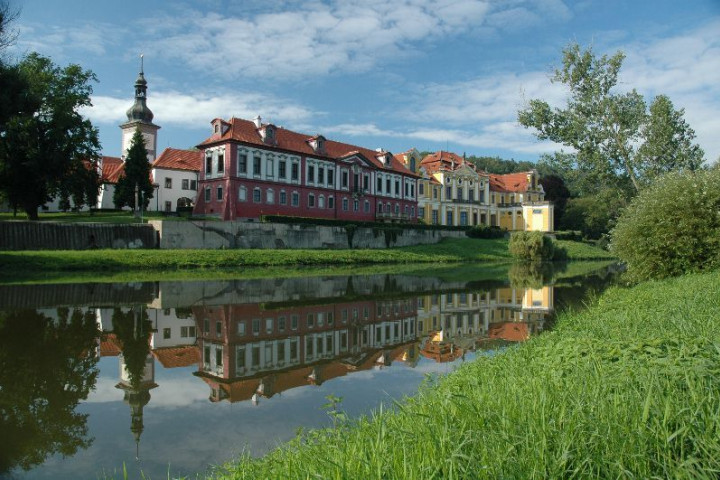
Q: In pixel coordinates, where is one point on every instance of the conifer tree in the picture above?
(137, 174)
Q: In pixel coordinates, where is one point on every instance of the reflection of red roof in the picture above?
(510, 331)
(172, 357)
(441, 352)
(109, 345)
(245, 131)
(175, 159)
(511, 182)
(112, 169)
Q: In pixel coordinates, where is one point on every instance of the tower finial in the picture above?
(141, 63)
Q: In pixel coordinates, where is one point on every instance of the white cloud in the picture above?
(55, 41)
(197, 110)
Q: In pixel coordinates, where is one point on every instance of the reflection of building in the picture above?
(459, 322)
(137, 395)
(247, 350)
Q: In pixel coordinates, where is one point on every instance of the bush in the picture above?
(485, 231)
(672, 227)
(531, 246)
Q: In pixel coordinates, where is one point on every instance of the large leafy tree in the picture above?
(137, 175)
(44, 140)
(613, 135)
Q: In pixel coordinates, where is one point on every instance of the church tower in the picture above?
(140, 116)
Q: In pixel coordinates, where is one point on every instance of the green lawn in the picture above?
(628, 388)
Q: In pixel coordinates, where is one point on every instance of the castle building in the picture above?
(252, 169)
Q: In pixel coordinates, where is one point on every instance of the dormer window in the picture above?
(268, 133)
(317, 143)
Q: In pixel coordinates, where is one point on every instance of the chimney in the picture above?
(258, 121)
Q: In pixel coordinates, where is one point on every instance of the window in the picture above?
(379, 185)
(345, 204)
(257, 195)
(421, 212)
(270, 196)
(388, 186)
(256, 326)
(219, 193)
(168, 182)
(367, 206)
(186, 332)
(310, 320)
(407, 210)
(345, 177)
(294, 322)
(283, 197)
(331, 177)
(208, 164)
(241, 328)
(294, 172)
(311, 174)
(311, 200)
(166, 333)
(193, 184)
(256, 165)
(421, 188)
(321, 175)
(185, 184)
(366, 182)
(207, 194)
(356, 205)
(412, 211)
(331, 202)
(397, 187)
(168, 206)
(379, 207)
(448, 192)
(282, 169)
(242, 163)
(218, 328)
(242, 194)
(434, 217)
(449, 217)
(412, 190)
(397, 209)
(463, 218)
(471, 195)
(295, 199)
(321, 201)
(221, 163)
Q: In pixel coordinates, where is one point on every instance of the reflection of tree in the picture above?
(46, 368)
(132, 329)
(533, 274)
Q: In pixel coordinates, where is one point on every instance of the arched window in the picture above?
(242, 193)
(321, 201)
(270, 196)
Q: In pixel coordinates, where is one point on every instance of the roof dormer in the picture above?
(268, 133)
(384, 157)
(220, 126)
(317, 143)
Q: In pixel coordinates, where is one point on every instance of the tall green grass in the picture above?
(629, 388)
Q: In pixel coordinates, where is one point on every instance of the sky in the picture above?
(398, 74)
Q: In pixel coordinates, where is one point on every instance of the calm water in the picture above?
(176, 376)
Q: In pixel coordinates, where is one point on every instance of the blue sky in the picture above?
(429, 74)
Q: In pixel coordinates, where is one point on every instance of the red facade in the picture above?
(252, 169)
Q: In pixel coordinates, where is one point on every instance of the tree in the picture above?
(612, 134)
(556, 192)
(45, 140)
(137, 174)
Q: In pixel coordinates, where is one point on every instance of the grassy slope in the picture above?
(627, 388)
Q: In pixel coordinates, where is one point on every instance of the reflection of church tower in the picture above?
(140, 116)
(137, 366)
(137, 396)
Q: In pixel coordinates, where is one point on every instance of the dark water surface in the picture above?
(176, 376)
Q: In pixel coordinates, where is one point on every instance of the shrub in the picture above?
(485, 231)
(672, 227)
(531, 246)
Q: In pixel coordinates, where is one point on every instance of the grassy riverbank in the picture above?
(627, 388)
(26, 265)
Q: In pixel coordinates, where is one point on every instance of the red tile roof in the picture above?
(511, 182)
(445, 161)
(175, 159)
(245, 131)
(111, 169)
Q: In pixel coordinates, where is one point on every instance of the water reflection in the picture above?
(248, 341)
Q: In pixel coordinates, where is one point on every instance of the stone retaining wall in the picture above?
(237, 234)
